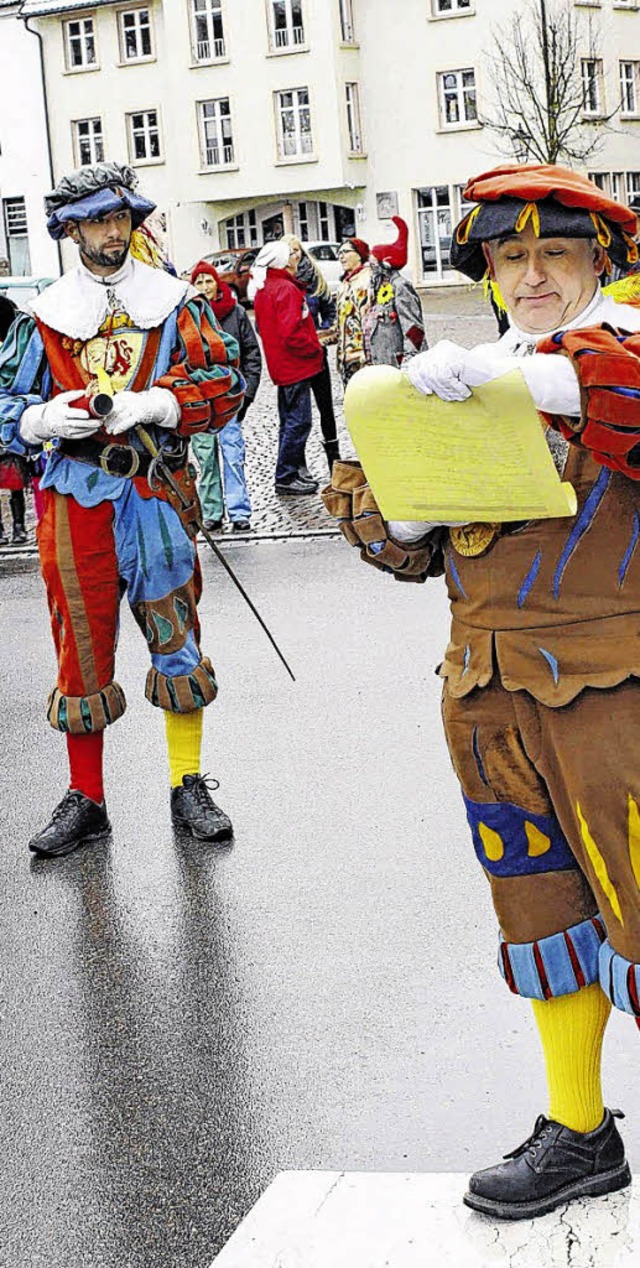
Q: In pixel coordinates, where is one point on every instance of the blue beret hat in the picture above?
(95, 191)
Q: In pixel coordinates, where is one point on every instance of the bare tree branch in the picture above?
(538, 101)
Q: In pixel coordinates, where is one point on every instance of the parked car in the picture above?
(325, 255)
(234, 267)
(22, 289)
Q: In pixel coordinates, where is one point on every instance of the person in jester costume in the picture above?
(542, 693)
(117, 333)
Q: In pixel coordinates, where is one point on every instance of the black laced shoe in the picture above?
(19, 535)
(194, 810)
(553, 1166)
(76, 821)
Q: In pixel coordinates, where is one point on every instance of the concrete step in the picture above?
(333, 1219)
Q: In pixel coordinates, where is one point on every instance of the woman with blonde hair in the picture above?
(323, 310)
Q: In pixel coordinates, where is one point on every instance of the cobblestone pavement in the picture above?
(460, 314)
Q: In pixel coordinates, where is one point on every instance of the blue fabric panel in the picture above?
(529, 580)
(580, 526)
(509, 822)
(628, 555)
(556, 960)
(28, 368)
(88, 485)
(454, 573)
(614, 971)
(168, 342)
(155, 555)
(184, 661)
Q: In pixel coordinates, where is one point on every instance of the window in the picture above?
(347, 29)
(80, 43)
(17, 235)
(323, 222)
(253, 229)
(144, 136)
(294, 123)
(633, 187)
(629, 72)
(435, 222)
(88, 141)
(601, 179)
(447, 7)
(303, 222)
(287, 27)
(235, 231)
(216, 139)
(353, 118)
(458, 100)
(592, 85)
(207, 30)
(617, 185)
(135, 35)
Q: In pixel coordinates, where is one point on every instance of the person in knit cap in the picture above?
(117, 332)
(229, 443)
(541, 702)
(393, 323)
(293, 355)
(353, 300)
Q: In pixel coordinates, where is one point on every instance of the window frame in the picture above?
(217, 118)
(596, 81)
(140, 57)
(292, 45)
(91, 138)
(461, 123)
(459, 9)
(216, 54)
(77, 20)
(634, 82)
(149, 159)
(347, 22)
(299, 155)
(354, 117)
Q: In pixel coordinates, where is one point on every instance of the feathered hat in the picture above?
(95, 191)
(557, 202)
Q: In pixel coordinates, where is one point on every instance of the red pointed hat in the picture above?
(394, 253)
(556, 201)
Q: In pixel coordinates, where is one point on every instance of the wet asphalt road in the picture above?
(180, 1022)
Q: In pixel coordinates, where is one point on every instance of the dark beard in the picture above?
(106, 259)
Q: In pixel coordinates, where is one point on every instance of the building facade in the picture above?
(25, 172)
(322, 117)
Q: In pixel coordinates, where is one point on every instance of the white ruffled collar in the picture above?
(78, 303)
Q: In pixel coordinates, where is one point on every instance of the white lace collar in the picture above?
(78, 303)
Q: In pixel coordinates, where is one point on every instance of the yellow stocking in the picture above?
(572, 1029)
(184, 740)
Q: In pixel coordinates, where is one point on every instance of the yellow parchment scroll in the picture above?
(485, 458)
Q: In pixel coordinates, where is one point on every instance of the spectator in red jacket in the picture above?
(293, 354)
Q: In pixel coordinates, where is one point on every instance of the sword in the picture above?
(160, 467)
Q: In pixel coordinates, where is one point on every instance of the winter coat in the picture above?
(238, 324)
(291, 347)
(353, 301)
(393, 324)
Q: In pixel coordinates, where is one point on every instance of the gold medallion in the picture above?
(473, 539)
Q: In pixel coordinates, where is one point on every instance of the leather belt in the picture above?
(123, 460)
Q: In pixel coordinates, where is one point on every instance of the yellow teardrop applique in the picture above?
(492, 842)
(538, 841)
(634, 838)
(599, 866)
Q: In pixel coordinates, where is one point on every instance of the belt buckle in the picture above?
(113, 451)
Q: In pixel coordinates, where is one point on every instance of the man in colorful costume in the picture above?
(136, 334)
(393, 324)
(544, 655)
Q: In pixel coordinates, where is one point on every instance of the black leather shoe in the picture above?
(553, 1166)
(75, 822)
(240, 526)
(212, 526)
(19, 535)
(297, 485)
(194, 810)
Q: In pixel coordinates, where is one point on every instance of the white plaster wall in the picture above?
(24, 165)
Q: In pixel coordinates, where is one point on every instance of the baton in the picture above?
(165, 474)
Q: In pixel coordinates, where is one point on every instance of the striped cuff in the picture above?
(620, 980)
(83, 715)
(558, 965)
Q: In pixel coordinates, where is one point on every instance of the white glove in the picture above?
(157, 405)
(450, 371)
(57, 418)
(438, 371)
